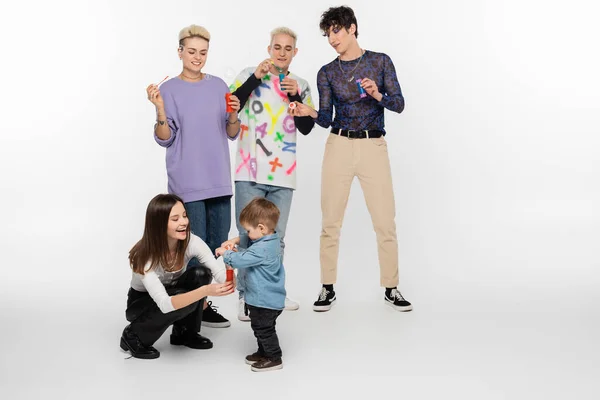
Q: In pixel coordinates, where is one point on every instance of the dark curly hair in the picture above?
(341, 17)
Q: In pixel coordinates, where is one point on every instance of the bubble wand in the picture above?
(158, 84)
(280, 70)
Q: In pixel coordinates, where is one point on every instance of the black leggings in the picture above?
(149, 323)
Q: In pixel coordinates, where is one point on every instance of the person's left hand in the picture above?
(370, 87)
(234, 103)
(290, 86)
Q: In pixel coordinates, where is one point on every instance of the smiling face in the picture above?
(282, 50)
(177, 229)
(341, 38)
(193, 54)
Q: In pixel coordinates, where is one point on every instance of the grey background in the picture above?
(495, 171)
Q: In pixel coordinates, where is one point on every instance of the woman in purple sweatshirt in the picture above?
(193, 124)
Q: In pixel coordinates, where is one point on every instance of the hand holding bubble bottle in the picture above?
(363, 94)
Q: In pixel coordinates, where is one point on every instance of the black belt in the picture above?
(358, 134)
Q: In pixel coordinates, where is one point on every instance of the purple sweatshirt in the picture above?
(198, 165)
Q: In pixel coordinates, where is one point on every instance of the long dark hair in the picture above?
(154, 246)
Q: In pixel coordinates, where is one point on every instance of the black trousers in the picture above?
(149, 323)
(262, 322)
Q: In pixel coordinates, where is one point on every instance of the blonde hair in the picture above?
(282, 30)
(193, 31)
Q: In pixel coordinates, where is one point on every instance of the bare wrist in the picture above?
(202, 292)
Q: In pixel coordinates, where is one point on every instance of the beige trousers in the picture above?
(368, 160)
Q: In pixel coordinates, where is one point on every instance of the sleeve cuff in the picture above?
(227, 257)
(296, 97)
(164, 143)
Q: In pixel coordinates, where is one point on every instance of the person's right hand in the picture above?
(219, 289)
(154, 96)
(301, 110)
(263, 68)
(228, 245)
(219, 251)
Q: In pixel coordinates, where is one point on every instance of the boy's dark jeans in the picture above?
(262, 322)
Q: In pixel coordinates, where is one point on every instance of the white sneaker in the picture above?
(243, 314)
(291, 305)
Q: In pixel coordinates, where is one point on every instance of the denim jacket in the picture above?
(265, 276)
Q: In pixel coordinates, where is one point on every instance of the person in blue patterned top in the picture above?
(358, 85)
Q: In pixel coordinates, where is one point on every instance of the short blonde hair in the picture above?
(193, 31)
(282, 30)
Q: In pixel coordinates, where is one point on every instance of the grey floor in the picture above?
(66, 347)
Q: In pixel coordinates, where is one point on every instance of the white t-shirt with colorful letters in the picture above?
(266, 151)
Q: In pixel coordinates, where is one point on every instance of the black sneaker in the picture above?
(131, 343)
(325, 301)
(212, 319)
(394, 299)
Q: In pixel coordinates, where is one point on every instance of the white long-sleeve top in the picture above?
(154, 281)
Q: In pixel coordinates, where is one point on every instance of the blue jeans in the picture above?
(280, 196)
(210, 219)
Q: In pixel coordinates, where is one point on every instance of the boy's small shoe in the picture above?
(395, 300)
(254, 358)
(212, 319)
(243, 312)
(325, 301)
(267, 365)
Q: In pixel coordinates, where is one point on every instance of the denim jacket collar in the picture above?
(266, 238)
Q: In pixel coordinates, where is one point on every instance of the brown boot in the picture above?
(253, 358)
(267, 365)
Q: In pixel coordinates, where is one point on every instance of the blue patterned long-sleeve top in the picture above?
(337, 90)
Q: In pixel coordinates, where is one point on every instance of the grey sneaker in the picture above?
(243, 313)
(291, 305)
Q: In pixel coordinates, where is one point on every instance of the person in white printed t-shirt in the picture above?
(265, 163)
